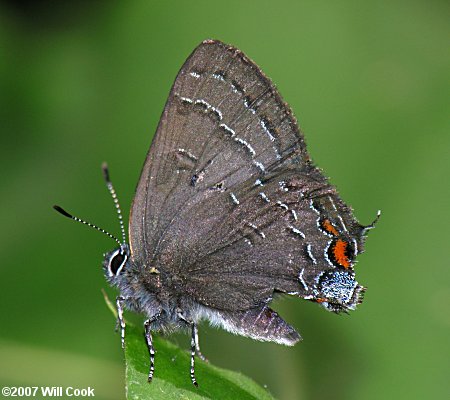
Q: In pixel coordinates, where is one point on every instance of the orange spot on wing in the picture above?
(321, 300)
(328, 226)
(339, 252)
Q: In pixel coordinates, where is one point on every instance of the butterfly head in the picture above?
(116, 263)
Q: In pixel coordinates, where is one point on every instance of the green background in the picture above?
(369, 84)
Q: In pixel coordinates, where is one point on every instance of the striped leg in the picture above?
(151, 350)
(120, 320)
(194, 345)
(195, 348)
(197, 345)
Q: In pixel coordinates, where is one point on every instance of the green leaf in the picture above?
(172, 380)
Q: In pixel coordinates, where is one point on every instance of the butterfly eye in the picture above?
(116, 263)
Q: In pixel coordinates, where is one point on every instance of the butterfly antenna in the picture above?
(113, 193)
(66, 214)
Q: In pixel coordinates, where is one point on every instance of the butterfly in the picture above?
(229, 211)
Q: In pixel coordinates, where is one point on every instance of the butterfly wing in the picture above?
(228, 200)
(218, 127)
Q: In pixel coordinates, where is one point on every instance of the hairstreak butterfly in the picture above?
(230, 210)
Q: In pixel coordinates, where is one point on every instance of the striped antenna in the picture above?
(112, 191)
(66, 214)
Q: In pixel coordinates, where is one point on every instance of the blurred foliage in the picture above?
(85, 82)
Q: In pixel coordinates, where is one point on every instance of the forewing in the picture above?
(223, 123)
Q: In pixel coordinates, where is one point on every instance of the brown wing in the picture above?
(223, 123)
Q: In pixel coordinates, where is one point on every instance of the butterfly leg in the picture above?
(120, 320)
(194, 345)
(151, 350)
(197, 345)
(149, 341)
